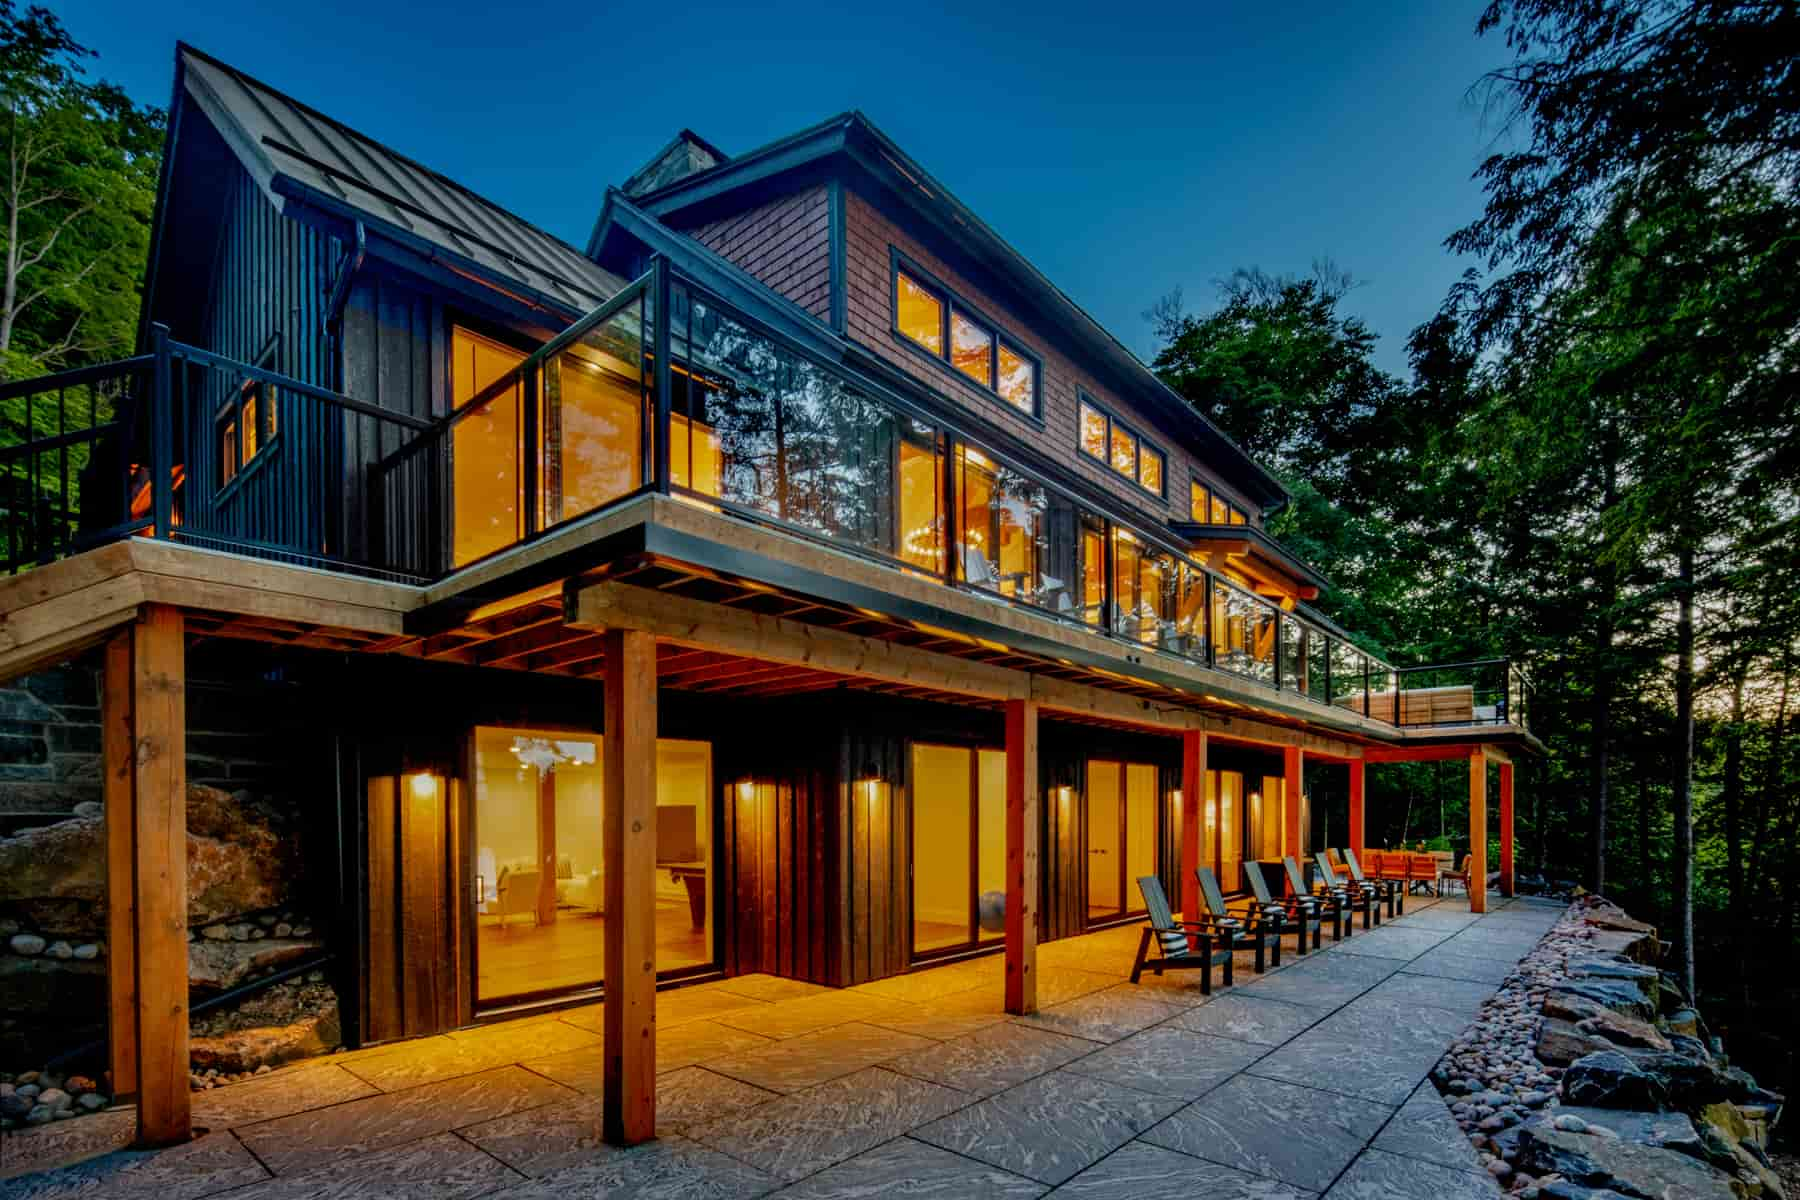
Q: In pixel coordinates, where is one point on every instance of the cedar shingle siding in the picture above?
(869, 232)
(786, 243)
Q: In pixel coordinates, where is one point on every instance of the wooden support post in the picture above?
(628, 854)
(1021, 855)
(1507, 882)
(1293, 838)
(546, 823)
(159, 868)
(1193, 809)
(117, 766)
(1357, 831)
(1478, 831)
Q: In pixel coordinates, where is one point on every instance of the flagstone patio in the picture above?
(1308, 1080)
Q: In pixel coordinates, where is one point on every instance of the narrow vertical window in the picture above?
(971, 349)
(1124, 452)
(1018, 379)
(1150, 469)
(1093, 431)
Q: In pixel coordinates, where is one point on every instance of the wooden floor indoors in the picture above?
(522, 956)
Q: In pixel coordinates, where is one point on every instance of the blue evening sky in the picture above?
(1124, 150)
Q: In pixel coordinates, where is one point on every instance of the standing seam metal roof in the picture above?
(291, 140)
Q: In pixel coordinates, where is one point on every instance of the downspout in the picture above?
(347, 268)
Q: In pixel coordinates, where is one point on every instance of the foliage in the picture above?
(78, 171)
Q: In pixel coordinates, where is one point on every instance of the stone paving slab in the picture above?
(1304, 1081)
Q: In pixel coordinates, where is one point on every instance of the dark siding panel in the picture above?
(392, 359)
(786, 243)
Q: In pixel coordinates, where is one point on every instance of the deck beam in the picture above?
(1293, 770)
(1193, 808)
(1358, 830)
(1477, 831)
(1508, 881)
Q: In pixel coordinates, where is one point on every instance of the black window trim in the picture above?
(1195, 479)
(230, 411)
(1083, 396)
(949, 299)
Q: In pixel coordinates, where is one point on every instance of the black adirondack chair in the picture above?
(1180, 945)
(1356, 899)
(1254, 928)
(1393, 891)
(1299, 913)
(1331, 905)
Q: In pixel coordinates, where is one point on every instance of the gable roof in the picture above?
(852, 136)
(294, 152)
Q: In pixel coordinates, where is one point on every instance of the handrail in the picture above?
(207, 358)
(56, 441)
(73, 377)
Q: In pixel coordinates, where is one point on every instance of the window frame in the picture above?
(1235, 514)
(1139, 443)
(950, 305)
(228, 417)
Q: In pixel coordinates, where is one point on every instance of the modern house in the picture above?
(792, 579)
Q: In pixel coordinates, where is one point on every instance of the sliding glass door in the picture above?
(958, 846)
(1121, 836)
(539, 884)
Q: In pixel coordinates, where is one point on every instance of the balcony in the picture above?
(664, 389)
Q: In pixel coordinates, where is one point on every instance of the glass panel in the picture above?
(1266, 813)
(1318, 658)
(485, 449)
(1221, 512)
(1293, 654)
(1243, 632)
(1093, 570)
(1190, 615)
(1150, 469)
(794, 441)
(1103, 849)
(1006, 525)
(1140, 829)
(1347, 676)
(1383, 702)
(1198, 500)
(594, 423)
(942, 811)
(1144, 587)
(1237, 516)
(539, 886)
(1093, 431)
(919, 314)
(990, 845)
(1124, 453)
(1231, 841)
(251, 429)
(971, 349)
(1018, 380)
(921, 494)
(228, 453)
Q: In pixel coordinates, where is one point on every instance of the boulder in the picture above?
(215, 966)
(1623, 996)
(1612, 1079)
(1619, 1164)
(242, 857)
(1561, 1043)
(1647, 978)
(1627, 1032)
(1728, 1142)
(1669, 1130)
(268, 1045)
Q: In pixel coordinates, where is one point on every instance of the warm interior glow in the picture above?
(919, 314)
(971, 349)
(485, 449)
(423, 786)
(959, 840)
(1018, 379)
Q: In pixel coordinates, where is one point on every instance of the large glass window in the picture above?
(1121, 835)
(921, 540)
(486, 449)
(1243, 632)
(1207, 507)
(593, 423)
(1103, 437)
(959, 846)
(539, 882)
(973, 346)
(1005, 534)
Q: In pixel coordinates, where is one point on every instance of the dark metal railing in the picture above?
(664, 388)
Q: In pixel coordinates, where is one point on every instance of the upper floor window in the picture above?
(246, 421)
(937, 321)
(1207, 507)
(1104, 438)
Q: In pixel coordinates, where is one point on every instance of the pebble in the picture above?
(28, 944)
(61, 950)
(89, 808)
(87, 951)
(266, 920)
(42, 1114)
(75, 1085)
(282, 929)
(301, 931)
(55, 1098)
(90, 1101)
(216, 933)
(240, 932)
(1499, 1168)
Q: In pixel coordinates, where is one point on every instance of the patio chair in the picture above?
(1332, 904)
(1457, 878)
(1424, 873)
(1393, 893)
(1180, 945)
(1300, 913)
(1254, 928)
(1356, 897)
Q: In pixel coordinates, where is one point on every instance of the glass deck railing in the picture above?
(668, 388)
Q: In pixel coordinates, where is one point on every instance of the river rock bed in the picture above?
(1588, 1076)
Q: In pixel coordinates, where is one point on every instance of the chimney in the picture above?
(688, 154)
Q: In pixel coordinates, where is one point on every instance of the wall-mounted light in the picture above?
(746, 791)
(422, 784)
